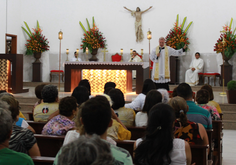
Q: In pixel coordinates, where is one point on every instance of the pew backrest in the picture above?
(42, 160)
(137, 132)
(49, 145)
(37, 126)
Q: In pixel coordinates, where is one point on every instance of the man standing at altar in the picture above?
(196, 66)
(160, 58)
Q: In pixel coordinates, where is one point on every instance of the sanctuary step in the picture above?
(229, 111)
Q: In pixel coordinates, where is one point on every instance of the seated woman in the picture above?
(211, 101)
(38, 93)
(45, 111)
(60, 124)
(165, 95)
(189, 131)
(158, 146)
(126, 115)
(8, 156)
(22, 139)
(81, 94)
(138, 102)
(202, 99)
(153, 97)
(85, 83)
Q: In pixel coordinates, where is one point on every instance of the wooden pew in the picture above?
(137, 132)
(218, 136)
(37, 126)
(31, 116)
(199, 152)
(211, 143)
(42, 160)
(49, 145)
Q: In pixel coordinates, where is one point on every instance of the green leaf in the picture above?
(182, 26)
(177, 20)
(188, 27)
(88, 25)
(93, 22)
(234, 31)
(231, 23)
(37, 24)
(28, 28)
(25, 31)
(82, 26)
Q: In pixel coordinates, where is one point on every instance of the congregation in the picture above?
(93, 127)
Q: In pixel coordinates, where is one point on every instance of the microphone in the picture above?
(159, 51)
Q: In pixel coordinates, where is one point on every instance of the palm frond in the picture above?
(25, 31)
(82, 26)
(38, 24)
(177, 20)
(88, 25)
(188, 27)
(93, 22)
(182, 26)
(28, 28)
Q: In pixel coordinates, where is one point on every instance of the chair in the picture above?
(214, 75)
(57, 72)
(116, 58)
(140, 56)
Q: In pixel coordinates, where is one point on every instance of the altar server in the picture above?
(160, 58)
(75, 58)
(196, 66)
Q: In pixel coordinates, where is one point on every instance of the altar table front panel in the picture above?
(73, 72)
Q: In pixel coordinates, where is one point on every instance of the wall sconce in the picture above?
(141, 51)
(67, 53)
(131, 51)
(86, 50)
(121, 52)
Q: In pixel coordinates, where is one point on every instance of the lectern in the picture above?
(15, 74)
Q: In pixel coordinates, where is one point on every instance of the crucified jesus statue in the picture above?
(138, 22)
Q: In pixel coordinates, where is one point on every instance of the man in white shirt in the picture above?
(196, 66)
(135, 58)
(160, 58)
(75, 58)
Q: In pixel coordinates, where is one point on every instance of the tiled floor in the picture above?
(229, 147)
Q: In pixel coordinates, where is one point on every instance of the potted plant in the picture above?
(231, 92)
(37, 43)
(93, 40)
(177, 36)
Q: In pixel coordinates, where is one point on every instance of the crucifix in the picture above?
(104, 51)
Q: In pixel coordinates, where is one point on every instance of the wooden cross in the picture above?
(104, 51)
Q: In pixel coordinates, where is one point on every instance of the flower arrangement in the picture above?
(229, 44)
(93, 38)
(37, 41)
(177, 36)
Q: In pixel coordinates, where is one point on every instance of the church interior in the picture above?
(59, 22)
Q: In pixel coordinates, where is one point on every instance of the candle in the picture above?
(67, 51)
(77, 51)
(131, 51)
(86, 50)
(141, 51)
(121, 51)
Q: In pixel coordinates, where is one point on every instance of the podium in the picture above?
(15, 76)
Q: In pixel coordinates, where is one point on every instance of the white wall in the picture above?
(3, 25)
(117, 24)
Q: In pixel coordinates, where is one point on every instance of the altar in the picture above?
(98, 73)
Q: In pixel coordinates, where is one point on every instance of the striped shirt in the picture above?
(199, 115)
(22, 139)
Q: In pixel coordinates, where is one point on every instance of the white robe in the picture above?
(191, 77)
(135, 59)
(161, 60)
(75, 59)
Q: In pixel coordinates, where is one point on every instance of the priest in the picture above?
(161, 68)
(196, 66)
(135, 57)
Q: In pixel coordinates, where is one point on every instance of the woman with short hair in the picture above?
(60, 124)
